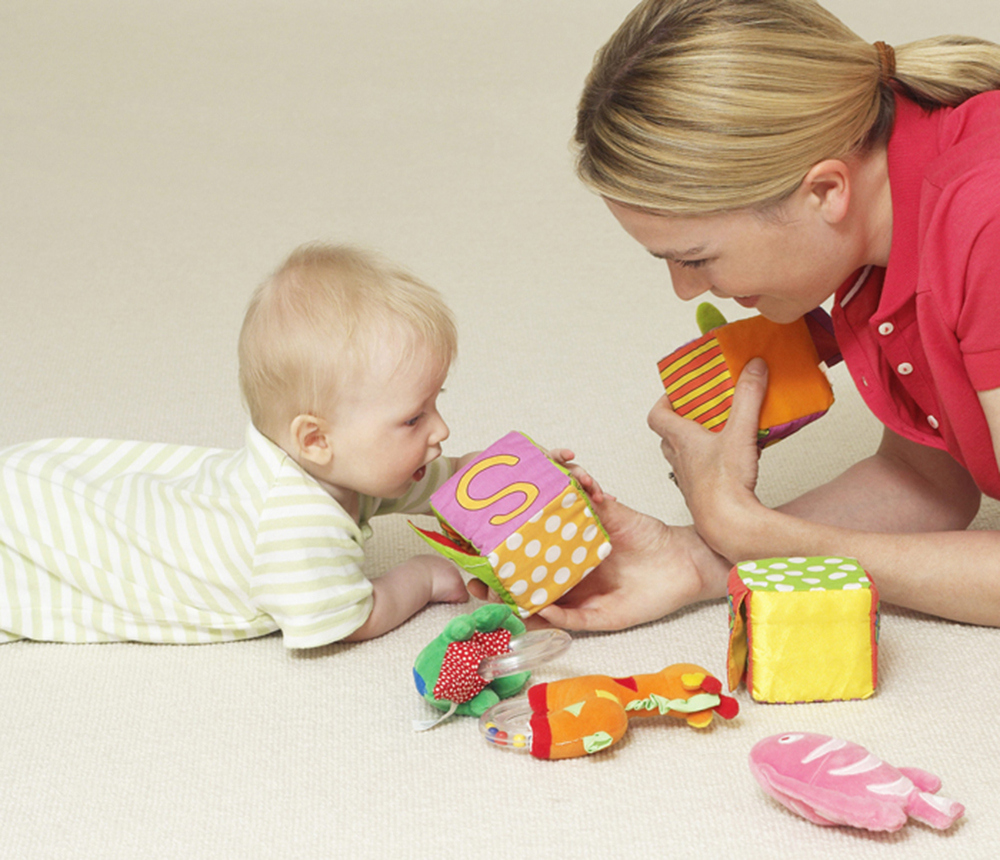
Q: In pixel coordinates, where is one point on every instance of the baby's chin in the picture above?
(399, 492)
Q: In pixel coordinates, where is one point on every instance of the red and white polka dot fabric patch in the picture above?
(460, 680)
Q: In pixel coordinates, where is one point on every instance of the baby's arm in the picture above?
(407, 588)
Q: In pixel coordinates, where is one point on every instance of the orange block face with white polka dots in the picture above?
(520, 523)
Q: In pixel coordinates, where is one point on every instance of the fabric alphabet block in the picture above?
(699, 378)
(803, 629)
(520, 523)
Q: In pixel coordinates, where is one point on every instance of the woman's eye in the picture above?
(692, 264)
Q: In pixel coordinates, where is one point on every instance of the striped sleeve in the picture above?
(307, 567)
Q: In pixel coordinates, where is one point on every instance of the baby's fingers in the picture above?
(563, 456)
(590, 486)
(478, 589)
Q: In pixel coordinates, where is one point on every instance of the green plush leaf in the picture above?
(597, 742)
(708, 317)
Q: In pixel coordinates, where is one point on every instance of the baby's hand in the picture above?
(479, 590)
(564, 457)
(447, 584)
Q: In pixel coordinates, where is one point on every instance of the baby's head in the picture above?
(333, 344)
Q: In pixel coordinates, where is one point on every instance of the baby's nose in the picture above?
(440, 431)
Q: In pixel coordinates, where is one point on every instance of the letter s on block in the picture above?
(470, 504)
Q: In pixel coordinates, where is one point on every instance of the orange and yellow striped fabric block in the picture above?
(700, 377)
(698, 382)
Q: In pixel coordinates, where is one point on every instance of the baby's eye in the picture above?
(692, 264)
(413, 421)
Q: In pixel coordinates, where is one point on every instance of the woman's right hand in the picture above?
(717, 471)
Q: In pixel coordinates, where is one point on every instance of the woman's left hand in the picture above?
(716, 471)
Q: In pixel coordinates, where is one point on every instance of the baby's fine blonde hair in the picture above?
(702, 106)
(320, 318)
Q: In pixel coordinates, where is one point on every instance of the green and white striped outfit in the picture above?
(105, 540)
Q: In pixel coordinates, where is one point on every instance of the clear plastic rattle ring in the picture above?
(527, 652)
(507, 725)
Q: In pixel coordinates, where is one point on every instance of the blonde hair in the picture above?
(320, 318)
(702, 106)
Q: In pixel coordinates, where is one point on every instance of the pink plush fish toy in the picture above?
(830, 781)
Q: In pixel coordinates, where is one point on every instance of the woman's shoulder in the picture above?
(974, 124)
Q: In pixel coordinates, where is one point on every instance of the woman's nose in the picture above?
(688, 284)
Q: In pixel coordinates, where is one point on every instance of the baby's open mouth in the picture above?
(420, 473)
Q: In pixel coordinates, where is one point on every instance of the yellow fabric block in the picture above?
(803, 629)
(520, 523)
(811, 646)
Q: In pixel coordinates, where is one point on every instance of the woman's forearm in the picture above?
(902, 513)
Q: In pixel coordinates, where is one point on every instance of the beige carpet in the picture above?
(156, 161)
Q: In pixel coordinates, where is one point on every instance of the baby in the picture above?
(342, 359)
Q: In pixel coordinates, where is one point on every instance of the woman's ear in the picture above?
(310, 438)
(828, 186)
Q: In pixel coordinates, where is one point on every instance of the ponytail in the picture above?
(947, 70)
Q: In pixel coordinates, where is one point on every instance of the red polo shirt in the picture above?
(922, 336)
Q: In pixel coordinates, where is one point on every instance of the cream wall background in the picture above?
(156, 161)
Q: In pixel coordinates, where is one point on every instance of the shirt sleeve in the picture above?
(307, 566)
(971, 254)
(981, 346)
(418, 499)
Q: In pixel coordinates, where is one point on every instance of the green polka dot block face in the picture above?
(821, 573)
(803, 629)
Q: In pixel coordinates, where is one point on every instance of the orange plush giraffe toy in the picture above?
(583, 715)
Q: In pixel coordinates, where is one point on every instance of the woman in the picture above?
(771, 156)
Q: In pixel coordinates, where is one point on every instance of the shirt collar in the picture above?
(268, 456)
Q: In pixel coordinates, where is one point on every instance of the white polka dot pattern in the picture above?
(552, 553)
(820, 573)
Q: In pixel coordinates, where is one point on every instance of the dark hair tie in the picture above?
(886, 61)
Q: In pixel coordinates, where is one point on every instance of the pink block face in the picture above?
(499, 491)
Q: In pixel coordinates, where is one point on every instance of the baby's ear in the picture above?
(311, 439)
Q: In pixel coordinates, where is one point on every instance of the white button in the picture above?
(905, 369)
(933, 422)
(886, 328)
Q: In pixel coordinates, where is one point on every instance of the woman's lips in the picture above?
(747, 301)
